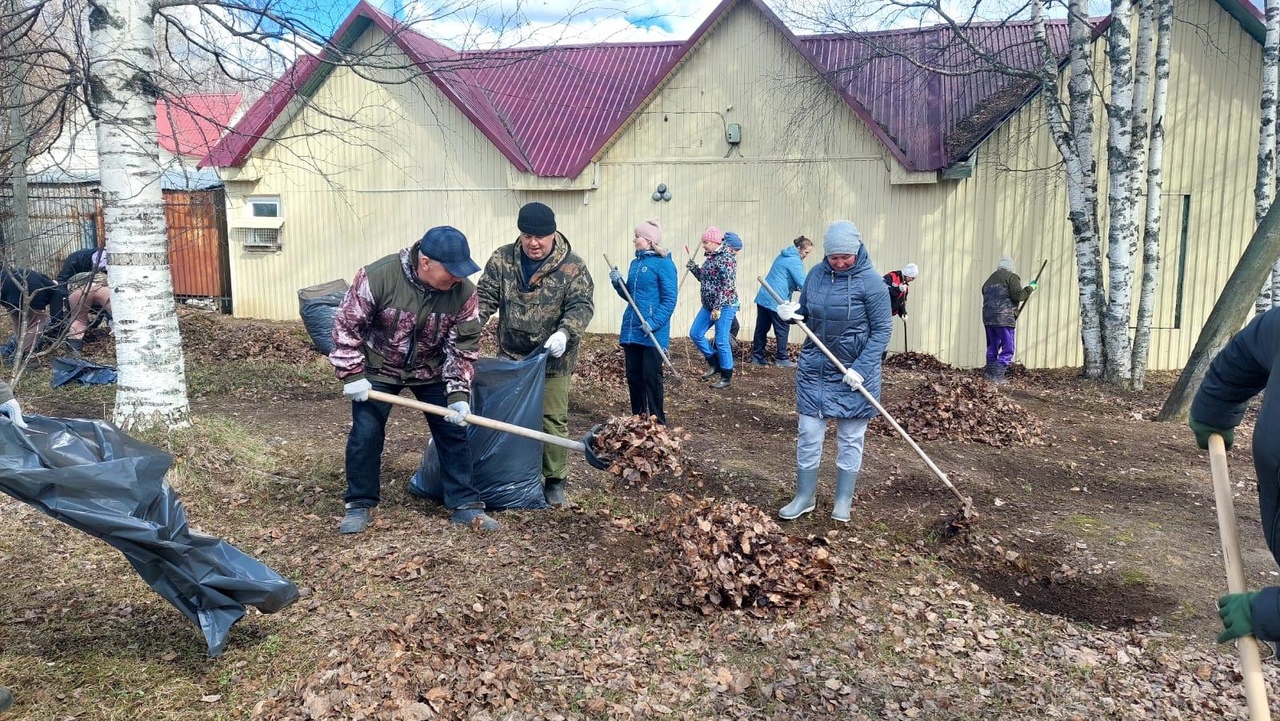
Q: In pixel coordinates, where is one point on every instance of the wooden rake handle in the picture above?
(479, 421)
(1255, 690)
(964, 500)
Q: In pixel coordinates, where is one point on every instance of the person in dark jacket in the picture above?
(652, 282)
(410, 320)
(87, 290)
(88, 260)
(846, 304)
(34, 295)
(786, 276)
(1247, 366)
(719, 294)
(899, 284)
(1002, 293)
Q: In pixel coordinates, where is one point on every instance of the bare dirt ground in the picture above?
(1084, 589)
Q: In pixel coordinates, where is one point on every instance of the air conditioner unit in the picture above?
(258, 238)
(260, 234)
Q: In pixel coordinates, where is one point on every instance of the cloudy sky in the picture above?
(503, 23)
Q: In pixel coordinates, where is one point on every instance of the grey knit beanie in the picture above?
(842, 237)
(1006, 263)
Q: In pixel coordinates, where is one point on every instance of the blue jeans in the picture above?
(724, 345)
(368, 435)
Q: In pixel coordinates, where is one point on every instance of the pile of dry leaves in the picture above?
(434, 663)
(962, 408)
(639, 449)
(602, 366)
(213, 337)
(914, 361)
(731, 555)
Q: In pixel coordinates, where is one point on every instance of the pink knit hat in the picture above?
(650, 230)
(713, 234)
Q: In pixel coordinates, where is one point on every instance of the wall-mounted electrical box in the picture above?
(733, 133)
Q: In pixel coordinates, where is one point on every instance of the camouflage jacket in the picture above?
(559, 296)
(392, 328)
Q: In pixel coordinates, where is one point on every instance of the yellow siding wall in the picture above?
(805, 159)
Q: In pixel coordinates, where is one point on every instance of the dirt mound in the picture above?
(640, 449)
(213, 337)
(434, 664)
(962, 408)
(731, 555)
(914, 361)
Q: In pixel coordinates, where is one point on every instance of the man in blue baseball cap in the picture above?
(411, 320)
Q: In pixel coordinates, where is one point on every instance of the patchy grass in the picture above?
(567, 613)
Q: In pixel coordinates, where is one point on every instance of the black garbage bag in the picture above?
(506, 468)
(86, 373)
(91, 476)
(317, 305)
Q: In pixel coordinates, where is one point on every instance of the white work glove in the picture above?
(556, 343)
(460, 411)
(789, 311)
(904, 316)
(14, 411)
(358, 391)
(853, 379)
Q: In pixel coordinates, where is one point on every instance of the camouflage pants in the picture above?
(555, 420)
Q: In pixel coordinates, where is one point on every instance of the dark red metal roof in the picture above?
(551, 110)
(937, 115)
(563, 103)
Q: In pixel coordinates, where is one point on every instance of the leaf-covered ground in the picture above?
(1084, 589)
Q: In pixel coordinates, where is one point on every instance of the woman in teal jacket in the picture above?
(652, 282)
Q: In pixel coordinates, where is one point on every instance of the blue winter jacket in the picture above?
(786, 276)
(849, 312)
(652, 282)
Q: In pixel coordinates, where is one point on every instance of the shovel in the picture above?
(966, 504)
(1250, 662)
(583, 446)
(676, 380)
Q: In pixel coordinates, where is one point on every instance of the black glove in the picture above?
(690, 265)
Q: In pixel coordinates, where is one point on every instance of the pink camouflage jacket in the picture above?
(392, 328)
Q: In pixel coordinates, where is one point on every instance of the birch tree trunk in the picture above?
(1228, 314)
(1155, 164)
(1084, 215)
(152, 388)
(1118, 354)
(1264, 182)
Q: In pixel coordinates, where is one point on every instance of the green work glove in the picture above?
(1203, 432)
(1236, 612)
(1033, 284)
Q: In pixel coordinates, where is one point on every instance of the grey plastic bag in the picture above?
(506, 468)
(91, 476)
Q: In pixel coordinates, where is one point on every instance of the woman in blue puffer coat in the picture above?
(652, 282)
(845, 303)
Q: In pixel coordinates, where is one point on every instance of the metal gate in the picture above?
(198, 254)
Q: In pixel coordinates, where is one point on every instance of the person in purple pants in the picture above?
(1002, 293)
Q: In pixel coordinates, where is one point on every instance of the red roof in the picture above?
(551, 110)
(192, 124)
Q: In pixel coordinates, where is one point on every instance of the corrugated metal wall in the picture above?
(804, 160)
